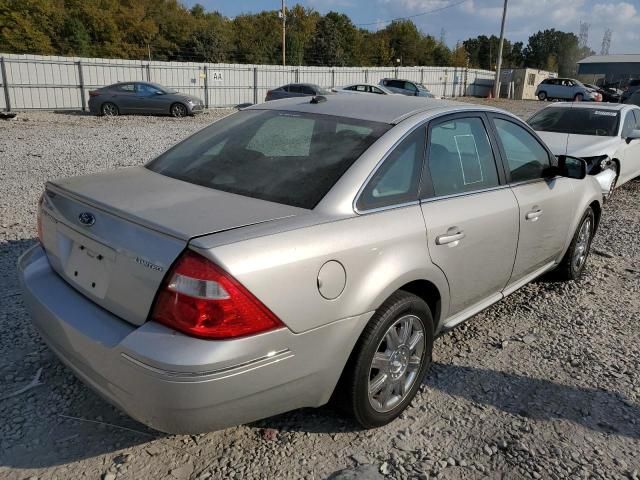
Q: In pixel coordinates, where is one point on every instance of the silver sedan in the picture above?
(298, 251)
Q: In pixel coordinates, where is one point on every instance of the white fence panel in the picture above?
(50, 82)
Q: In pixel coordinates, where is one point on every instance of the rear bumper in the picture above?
(175, 383)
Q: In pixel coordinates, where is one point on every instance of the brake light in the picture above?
(202, 300)
(94, 93)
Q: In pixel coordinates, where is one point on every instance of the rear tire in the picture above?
(542, 96)
(575, 259)
(109, 109)
(389, 361)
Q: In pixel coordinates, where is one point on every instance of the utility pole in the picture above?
(496, 85)
(283, 14)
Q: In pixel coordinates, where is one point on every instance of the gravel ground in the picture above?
(544, 384)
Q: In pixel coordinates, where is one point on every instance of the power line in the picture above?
(412, 16)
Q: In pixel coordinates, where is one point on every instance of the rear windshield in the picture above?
(578, 121)
(284, 157)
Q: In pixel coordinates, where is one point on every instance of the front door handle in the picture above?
(451, 239)
(534, 215)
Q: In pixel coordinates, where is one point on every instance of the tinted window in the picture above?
(396, 181)
(285, 157)
(460, 157)
(295, 89)
(637, 114)
(579, 121)
(395, 83)
(377, 90)
(127, 87)
(410, 86)
(526, 158)
(308, 90)
(146, 90)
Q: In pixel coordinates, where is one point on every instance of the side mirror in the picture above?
(571, 167)
(633, 135)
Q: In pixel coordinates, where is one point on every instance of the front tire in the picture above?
(574, 261)
(578, 98)
(178, 110)
(542, 96)
(389, 361)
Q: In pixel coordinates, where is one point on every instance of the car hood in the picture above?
(173, 207)
(579, 145)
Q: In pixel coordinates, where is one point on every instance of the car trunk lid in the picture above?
(113, 236)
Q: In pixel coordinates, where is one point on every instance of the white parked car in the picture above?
(607, 136)
(363, 88)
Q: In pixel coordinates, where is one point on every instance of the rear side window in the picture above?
(285, 157)
(127, 87)
(526, 158)
(308, 90)
(397, 180)
(628, 125)
(460, 157)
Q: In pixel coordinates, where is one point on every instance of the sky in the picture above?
(469, 18)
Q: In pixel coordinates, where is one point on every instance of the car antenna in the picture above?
(318, 99)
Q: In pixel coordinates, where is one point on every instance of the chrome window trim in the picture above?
(375, 170)
(464, 194)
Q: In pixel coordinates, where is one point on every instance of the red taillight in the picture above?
(202, 300)
(94, 93)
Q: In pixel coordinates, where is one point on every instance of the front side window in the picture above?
(285, 157)
(145, 90)
(396, 181)
(577, 121)
(460, 157)
(628, 125)
(526, 158)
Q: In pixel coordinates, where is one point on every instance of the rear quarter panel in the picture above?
(380, 253)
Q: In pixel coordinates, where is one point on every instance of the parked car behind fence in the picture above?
(295, 90)
(142, 98)
(406, 87)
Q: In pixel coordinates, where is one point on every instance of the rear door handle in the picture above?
(533, 215)
(450, 238)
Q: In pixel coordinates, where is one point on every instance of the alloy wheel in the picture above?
(396, 363)
(178, 110)
(109, 110)
(582, 245)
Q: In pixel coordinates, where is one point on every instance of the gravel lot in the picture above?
(545, 384)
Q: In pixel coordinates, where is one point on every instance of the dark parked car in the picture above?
(634, 98)
(296, 90)
(608, 94)
(142, 97)
(406, 87)
(632, 87)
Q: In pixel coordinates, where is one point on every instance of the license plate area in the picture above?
(88, 264)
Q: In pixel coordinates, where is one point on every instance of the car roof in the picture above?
(595, 105)
(390, 109)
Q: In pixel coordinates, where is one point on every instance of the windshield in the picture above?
(285, 157)
(578, 121)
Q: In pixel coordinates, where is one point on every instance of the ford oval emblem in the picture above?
(87, 219)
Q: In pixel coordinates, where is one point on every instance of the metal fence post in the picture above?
(366, 75)
(5, 85)
(255, 84)
(333, 78)
(206, 86)
(297, 75)
(396, 72)
(446, 77)
(83, 100)
(422, 76)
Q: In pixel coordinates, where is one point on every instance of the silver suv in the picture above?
(298, 250)
(566, 89)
